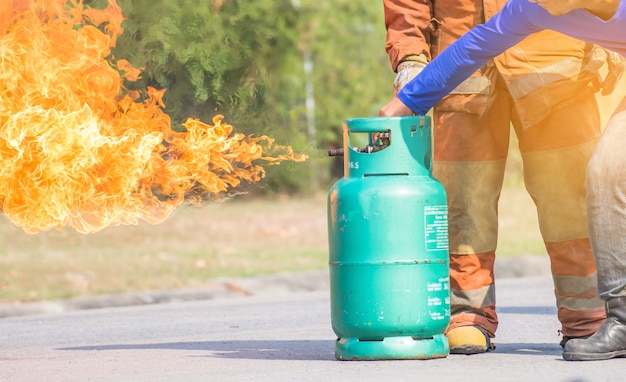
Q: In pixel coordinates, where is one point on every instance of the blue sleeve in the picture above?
(469, 53)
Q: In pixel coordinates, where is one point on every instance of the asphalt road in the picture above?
(276, 334)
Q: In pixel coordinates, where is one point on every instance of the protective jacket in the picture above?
(539, 83)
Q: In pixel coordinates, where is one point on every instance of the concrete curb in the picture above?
(505, 267)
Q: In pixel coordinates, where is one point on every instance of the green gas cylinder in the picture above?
(388, 245)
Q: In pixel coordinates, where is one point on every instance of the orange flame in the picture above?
(77, 149)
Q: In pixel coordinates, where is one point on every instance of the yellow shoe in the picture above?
(468, 340)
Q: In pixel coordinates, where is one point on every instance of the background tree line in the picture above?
(290, 69)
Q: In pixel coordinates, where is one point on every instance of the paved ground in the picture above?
(272, 330)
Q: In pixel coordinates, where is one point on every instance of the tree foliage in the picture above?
(246, 60)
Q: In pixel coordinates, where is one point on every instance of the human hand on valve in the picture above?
(395, 107)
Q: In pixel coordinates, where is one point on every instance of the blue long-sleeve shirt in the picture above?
(516, 20)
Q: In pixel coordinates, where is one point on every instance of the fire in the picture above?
(78, 149)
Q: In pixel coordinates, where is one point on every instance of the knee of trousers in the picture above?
(556, 181)
(604, 173)
(473, 189)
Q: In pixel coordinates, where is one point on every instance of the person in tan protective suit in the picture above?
(549, 98)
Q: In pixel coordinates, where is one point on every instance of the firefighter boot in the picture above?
(608, 342)
(468, 340)
(566, 339)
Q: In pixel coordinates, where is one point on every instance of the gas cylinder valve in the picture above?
(382, 142)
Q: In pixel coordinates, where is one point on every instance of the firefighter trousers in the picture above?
(606, 206)
(470, 152)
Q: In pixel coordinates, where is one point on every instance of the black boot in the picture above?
(608, 342)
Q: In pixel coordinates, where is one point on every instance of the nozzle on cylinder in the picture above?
(335, 152)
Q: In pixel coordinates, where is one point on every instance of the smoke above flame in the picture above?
(78, 149)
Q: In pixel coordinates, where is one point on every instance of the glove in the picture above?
(615, 64)
(407, 70)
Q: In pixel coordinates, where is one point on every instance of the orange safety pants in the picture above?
(470, 152)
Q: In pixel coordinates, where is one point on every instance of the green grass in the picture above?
(233, 238)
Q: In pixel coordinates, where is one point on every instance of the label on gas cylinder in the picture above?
(436, 227)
